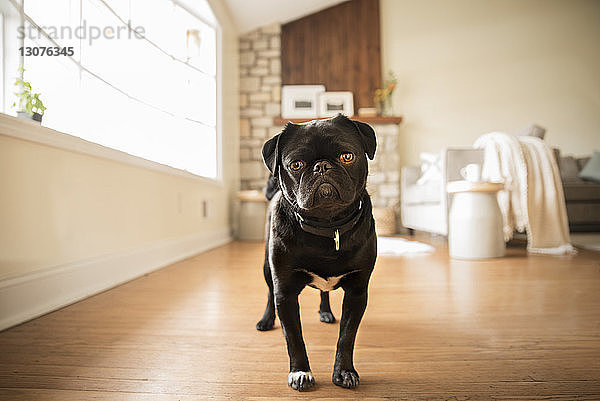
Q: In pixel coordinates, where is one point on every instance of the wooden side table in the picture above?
(475, 221)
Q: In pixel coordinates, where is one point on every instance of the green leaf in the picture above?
(28, 102)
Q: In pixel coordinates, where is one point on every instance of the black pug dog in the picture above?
(321, 233)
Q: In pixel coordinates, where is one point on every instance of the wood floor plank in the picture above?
(516, 328)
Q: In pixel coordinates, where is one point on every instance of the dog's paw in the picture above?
(301, 381)
(345, 378)
(265, 324)
(326, 317)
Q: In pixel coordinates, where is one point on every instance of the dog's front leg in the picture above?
(300, 378)
(355, 302)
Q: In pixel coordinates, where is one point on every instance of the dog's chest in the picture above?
(325, 284)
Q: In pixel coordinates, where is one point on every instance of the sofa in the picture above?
(425, 206)
(582, 197)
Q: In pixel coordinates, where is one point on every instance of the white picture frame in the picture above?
(300, 101)
(333, 103)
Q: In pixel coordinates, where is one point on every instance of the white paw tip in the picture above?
(300, 380)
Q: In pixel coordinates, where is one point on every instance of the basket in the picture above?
(385, 221)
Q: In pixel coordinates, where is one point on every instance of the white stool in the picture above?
(475, 221)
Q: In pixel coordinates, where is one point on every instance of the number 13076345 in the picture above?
(46, 51)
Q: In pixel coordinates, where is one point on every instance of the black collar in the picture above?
(333, 229)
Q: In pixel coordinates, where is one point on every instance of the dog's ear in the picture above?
(269, 153)
(366, 133)
(270, 150)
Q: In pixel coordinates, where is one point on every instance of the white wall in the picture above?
(72, 223)
(229, 108)
(467, 67)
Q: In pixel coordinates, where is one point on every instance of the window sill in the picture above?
(29, 131)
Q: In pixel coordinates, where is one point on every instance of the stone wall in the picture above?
(260, 100)
(384, 170)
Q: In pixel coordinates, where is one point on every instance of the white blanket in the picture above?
(533, 200)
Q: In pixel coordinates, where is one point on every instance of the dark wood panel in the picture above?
(368, 120)
(338, 47)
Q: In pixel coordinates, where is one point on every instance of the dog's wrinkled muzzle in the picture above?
(326, 190)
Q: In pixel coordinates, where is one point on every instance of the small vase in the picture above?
(388, 106)
(379, 106)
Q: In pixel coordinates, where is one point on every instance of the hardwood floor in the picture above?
(520, 327)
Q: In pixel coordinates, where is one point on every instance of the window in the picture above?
(142, 78)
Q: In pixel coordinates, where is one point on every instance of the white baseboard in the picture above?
(34, 294)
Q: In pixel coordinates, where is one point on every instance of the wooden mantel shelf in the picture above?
(368, 120)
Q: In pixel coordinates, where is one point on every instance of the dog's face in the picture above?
(321, 166)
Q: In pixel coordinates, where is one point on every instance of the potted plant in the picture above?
(30, 105)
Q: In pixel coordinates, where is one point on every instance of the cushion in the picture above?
(533, 130)
(591, 170)
(568, 169)
(431, 168)
(581, 162)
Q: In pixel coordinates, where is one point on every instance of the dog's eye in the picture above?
(297, 165)
(346, 157)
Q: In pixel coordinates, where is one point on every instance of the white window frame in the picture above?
(219, 84)
(11, 59)
(23, 129)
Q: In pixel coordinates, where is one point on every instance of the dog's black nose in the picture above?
(322, 166)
